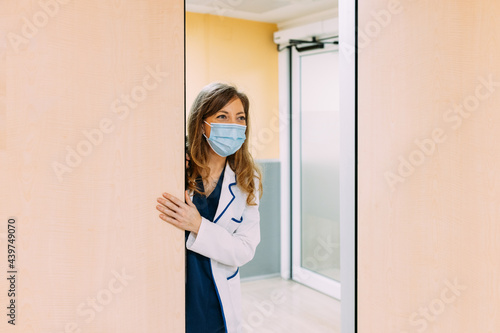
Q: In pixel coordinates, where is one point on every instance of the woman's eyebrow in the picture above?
(228, 112)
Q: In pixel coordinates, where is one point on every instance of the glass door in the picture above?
(315, 138)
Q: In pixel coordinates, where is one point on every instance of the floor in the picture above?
(275, 305)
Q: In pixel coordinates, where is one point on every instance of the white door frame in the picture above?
(318, 29)
(348, 91)
(300, 274)
(346, 29)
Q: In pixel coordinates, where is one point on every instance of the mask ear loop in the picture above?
(205, 134)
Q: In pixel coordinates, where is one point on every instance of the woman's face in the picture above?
(232, 113)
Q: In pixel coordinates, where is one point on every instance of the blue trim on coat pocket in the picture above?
(232, 276)
(235, 220)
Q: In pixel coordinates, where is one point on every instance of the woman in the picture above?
(221, 215)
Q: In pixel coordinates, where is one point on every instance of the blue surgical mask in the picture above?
(226, 139)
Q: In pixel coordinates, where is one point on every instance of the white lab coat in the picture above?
(230, 242)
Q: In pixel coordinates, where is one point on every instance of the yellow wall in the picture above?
(241, 52)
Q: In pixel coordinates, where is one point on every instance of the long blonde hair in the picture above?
(211, 99)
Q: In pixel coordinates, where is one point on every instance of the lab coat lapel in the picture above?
(227, 194)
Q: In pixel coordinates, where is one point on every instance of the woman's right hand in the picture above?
(187, 161)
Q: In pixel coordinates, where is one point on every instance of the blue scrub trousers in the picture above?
(204, 312)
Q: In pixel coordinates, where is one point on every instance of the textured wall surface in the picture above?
(91, 133)
(429, 186)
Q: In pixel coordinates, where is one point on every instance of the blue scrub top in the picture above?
(203, 307)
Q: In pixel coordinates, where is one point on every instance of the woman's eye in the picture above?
(221, 116)
(243, 118)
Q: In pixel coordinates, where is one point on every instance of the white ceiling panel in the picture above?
(272, 11)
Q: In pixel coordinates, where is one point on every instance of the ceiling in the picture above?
(272, 11)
